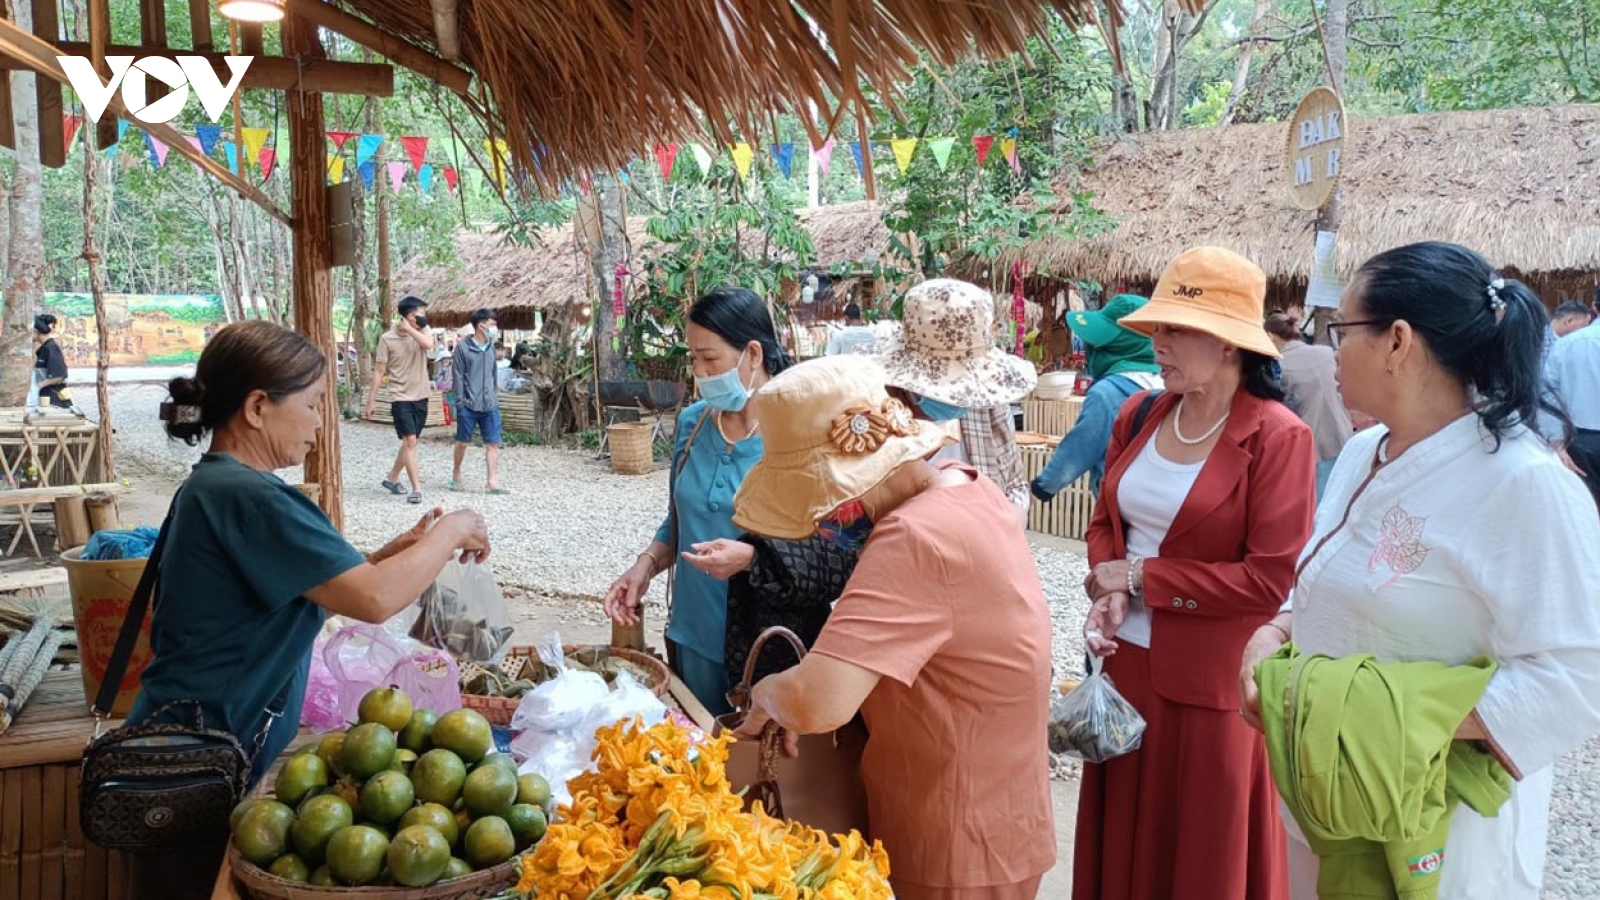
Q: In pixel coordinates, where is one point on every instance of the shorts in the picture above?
(470, 420)
(409, 417)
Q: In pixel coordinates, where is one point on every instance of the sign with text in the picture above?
(1314, 153)
(178, 74)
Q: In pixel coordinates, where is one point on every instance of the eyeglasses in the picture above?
(1336, 329)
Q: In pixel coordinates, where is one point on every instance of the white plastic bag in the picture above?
(560, 703)
(464, 612)
(1093, 722)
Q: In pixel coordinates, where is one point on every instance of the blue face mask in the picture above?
(849, 536)
(940, 412)
(725, 392)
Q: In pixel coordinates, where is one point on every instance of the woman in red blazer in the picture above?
(1204, 509)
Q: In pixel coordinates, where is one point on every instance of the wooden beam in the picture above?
(251, 42)
(266, 73)
(382, 42)
(105, 131)
(153, 31)
(200, 25)
(8, 125)
(446, 28)
(313, 264)
(40, 56)
(52, 142)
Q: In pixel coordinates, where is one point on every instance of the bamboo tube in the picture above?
(102, 511)
(72, 523)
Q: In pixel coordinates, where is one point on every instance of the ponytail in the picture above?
(1509, 373)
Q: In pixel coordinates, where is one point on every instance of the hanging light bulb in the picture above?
(251, 10)
(808, 295)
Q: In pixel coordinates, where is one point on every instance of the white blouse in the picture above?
(1457, 550)
(1151, 493)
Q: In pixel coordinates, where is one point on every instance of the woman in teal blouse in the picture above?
(734, 349)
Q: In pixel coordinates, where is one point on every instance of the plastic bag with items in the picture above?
(358, 658)
(464, 612)
(1093, 722)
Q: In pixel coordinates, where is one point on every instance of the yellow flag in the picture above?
(743, 154)
(498, 151)
(903, 150)
(1008, 148)
(335, 169)
(254, 139)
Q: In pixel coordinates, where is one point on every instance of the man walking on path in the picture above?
(403, 361)
(477, 396)
(854, 337)
(1572, 373)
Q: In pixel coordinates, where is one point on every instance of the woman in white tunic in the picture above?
(1453, 531)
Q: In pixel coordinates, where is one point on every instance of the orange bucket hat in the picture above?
(1212, 290)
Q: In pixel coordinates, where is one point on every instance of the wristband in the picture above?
(1279, 629)
(1135, 563)
(655, 567)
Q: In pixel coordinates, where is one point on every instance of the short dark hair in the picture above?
(1573, 308)
(738, 316)
(410, 305)
(240, 359)
(852, 311)
(479, 316)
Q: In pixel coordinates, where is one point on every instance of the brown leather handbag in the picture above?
(822, 786)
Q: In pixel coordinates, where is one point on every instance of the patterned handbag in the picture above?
(160, 784)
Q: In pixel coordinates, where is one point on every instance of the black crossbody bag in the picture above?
(162, 784)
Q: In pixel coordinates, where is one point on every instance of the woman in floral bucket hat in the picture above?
(945, 367)
(941, 639)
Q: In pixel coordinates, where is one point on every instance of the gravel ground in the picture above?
(570, 527)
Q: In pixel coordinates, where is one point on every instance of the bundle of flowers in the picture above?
(657, 820)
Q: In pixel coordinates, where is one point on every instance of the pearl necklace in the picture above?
(1178, 432)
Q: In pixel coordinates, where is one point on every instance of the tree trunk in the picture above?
(91, 257)
(1241, 73)
(25, 273)
(605, 204)
(361, 272)
(1335, 41)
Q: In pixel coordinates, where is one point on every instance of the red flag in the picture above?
(268, 159)
(451, 177)
(666, 155)
(69, 127)
(339, 137)
(417, 149)
(982, 143)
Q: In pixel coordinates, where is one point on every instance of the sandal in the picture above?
(393, 487)
(455, 485)
(499, 490)
(416, 497)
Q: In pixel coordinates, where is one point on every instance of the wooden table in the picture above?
(27, 499)
(60, 448)
(43, 853)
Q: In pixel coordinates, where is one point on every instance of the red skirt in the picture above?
(1191, 815)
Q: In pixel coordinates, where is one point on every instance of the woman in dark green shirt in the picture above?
(251, 565)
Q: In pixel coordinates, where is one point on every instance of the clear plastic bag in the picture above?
(464, 612)
(1093, 722)
(362, 657)
(560, 703)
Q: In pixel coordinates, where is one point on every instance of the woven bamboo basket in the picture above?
(498, 710)
(263, 885)
(632, 447)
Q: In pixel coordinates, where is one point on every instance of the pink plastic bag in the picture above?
(362, 657)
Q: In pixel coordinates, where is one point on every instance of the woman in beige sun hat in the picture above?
(945, 366)
(941, 639)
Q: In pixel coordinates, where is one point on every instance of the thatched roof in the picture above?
(583, 85)
(1521, 186)
(490, 271)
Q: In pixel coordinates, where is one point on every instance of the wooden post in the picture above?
(52, 140)
(102, 512)
(105, 131)
(200, 25)
(313, 266)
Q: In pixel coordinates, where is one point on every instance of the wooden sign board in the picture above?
(1314, 151)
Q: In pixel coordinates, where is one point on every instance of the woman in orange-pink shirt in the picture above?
(941, 638)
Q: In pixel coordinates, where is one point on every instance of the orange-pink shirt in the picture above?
(946, 605)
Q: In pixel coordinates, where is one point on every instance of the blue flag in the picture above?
(369, 171)
(208, 135)
(855, 150)
(232, 151)
(425, 177)
(367, 147)
(784, 154)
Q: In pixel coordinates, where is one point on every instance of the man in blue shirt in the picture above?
(1572, 374)
(1122, 363)
(477, 396)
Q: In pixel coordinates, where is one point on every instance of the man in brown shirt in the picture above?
(403, 361)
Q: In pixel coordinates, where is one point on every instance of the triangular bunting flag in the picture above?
(623, 176)
(743, 154)
(231, 150)
(69, 128)
(397, 174)
(425, 177)
(416, 149)
(195, 143)
(1008, 149)
(451, 177)
(823, 155)
(339, 137)
(783, 154)
(856, 151)
(157, 151)
(941, 148)
(369, 173)
(254, 140)
(666, 157)
(367, 147)
(702, 157)
(122, 129)
(335, 169)
(904, 149)
(208, 135)
(496, 148)
(268, 160)
(982, 143)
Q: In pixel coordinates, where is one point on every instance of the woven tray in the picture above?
(263, 885)
(498, 710)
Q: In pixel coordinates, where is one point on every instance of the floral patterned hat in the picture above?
(831, 433)
(946, 350)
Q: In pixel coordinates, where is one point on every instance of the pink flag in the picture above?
(195, 143)
(397, 174)
(823, 155)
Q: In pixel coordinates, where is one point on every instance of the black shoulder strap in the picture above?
(1142, 413)
(140, 604)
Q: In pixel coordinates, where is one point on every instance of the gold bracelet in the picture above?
(655, 567)
(1281, 630)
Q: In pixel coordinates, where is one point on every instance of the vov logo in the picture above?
(179, 74)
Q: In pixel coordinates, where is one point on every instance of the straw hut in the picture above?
(1521, 186)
